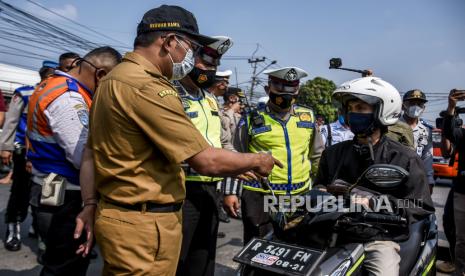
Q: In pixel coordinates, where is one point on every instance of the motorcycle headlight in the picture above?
(342, 269)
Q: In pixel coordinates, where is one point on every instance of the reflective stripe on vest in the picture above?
(204, 114)
(24, 92)
(43, 150)
(289, 142)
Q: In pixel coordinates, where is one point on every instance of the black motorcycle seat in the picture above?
(410, 249)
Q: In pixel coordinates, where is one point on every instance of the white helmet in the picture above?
(373, 91)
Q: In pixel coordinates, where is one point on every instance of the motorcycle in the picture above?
(315, 243)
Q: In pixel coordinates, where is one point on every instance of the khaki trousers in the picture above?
(382, 258)
(138, 243)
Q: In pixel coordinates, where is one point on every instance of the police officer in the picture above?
(232, 110)
(13, 148)
(66, 61)
(218, 89)
(57, 123)
(221, 83)
(200, 212)
(336, 132)
(289, 132)
(139, 135)
(413, 106)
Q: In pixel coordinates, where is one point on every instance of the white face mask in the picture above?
(181, 69)
(414, 111)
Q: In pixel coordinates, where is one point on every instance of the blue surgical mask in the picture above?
(181, 69)
(360, 123)
(341, 119)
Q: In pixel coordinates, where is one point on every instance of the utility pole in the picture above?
(254, 63)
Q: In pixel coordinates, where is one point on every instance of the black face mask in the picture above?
(283, 101)
(202, 78)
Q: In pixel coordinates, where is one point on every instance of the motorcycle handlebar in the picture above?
(380, 218)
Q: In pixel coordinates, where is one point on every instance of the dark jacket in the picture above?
(456, 135)
(353, 163)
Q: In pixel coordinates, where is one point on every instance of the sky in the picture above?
(411, 44)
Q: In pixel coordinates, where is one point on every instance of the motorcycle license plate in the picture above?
(279, 257)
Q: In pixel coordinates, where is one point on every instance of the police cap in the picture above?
(415, 94)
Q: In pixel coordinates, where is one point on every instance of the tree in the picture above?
(316, 94)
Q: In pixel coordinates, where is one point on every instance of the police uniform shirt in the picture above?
(241, 141)
(229, 122)
(338, 133)
(423, 146)
(139, 135)
(12, 118)
(421, 135)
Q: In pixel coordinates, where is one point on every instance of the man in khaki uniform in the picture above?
(139, 135)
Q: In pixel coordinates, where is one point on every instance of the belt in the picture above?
(277, 187)
(150, 207)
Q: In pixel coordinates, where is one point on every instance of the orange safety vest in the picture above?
(43, 150)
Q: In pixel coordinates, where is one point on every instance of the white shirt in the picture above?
(338, 133)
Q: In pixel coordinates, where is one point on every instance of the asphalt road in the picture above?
(23, 262)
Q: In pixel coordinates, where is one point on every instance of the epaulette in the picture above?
(302, 108)
(426, 124)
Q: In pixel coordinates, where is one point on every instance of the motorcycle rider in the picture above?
(371, 104)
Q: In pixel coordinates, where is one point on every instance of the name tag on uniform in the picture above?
(259, 130)
(215, 113)
(305, 124)
(192, 114)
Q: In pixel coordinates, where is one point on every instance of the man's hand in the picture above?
(29, 166)
(231, 205)
(361, 200)
(248, 176)
(7, 156)
(265, 163)
(454, 96)
(85, 221)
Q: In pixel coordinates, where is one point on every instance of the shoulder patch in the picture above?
(83, 116)
(305, 117)
(167, 92)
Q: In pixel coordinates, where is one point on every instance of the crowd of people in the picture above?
(137, 152)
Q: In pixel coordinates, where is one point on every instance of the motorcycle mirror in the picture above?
(385, 175)
(335, 63)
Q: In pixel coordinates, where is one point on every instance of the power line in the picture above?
(75, 22)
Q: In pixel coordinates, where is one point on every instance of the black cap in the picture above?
(172, 18)
(415, 94)
(233, 91)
